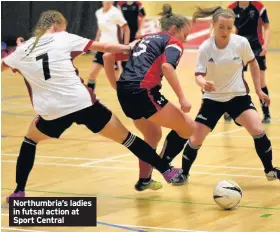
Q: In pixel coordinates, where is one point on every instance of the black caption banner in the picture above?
(52, 211)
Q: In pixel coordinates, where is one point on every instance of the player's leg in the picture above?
(96, 67)
(182, 126)
(209, 114)
(152, 135)
(244, 113)
(265, 108)
(39, 130)
(101, 120)
(250, 120)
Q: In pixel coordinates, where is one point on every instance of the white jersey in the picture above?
(224, 67)
(107, 23)
(53, 84)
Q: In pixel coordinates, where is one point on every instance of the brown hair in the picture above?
(47, 19)
(215, 11)
(169, 19)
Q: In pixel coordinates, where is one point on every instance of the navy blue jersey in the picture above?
(131, 12)
(143, 69)
(249, 22)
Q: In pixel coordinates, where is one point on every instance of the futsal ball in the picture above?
(227, 194)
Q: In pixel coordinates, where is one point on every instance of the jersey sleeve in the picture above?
(12, 60)
(78, 43)
(201, 63)
(247, 53)
(264, 16)
(141, 10)
(118, 18)
(172, 53)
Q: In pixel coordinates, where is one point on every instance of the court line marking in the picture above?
(115, 157)
(135, 169)
(144, 199)
(106, 159)
(8, 228)
(129, 227)
(131, 161)
(164, 228)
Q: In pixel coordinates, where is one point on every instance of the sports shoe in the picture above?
(181, 180)
(152, 184)
(274, 174)
(18, 194)
(266, 119)
(227, 117)
(171, 175)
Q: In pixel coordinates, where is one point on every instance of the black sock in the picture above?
(25, 163)
(173, 145)
(91, 84)
(264, 150)
(265, 107)
(145, 152)
(189, 156)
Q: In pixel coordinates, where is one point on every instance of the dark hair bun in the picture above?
(166, 10)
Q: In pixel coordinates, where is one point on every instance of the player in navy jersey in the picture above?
(138, 88)
(134, 14)
(61, 99)
(251, 18)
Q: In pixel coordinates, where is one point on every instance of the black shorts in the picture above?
(261, 61)
(140, 103)
(99, 59)
(94, 118)
(211, 111)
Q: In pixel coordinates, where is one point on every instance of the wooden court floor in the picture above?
(83, 164)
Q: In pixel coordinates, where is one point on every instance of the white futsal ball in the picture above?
(227, 194)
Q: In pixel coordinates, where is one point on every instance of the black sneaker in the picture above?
(266, 119)
(152, 184)
(181, 180)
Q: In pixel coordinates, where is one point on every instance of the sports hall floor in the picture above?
(83, 164)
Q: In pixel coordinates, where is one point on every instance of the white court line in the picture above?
(9, 228)
(132, 161)
(135, 169)
(226, 132)
(106, 159)
(161, 228)
(116, 157)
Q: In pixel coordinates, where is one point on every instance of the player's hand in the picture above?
(185, 105)
(209, 86)
(19, 41)
(264, 50)
(133, 43)
(263, 97)
(138, 35)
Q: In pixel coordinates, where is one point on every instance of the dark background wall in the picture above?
(20, 18)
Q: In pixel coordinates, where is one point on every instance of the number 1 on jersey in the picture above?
(45, 62)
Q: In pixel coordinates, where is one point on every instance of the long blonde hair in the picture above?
(214, 11)
(47, 19)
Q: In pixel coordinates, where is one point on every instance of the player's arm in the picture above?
(249, 58)
(266, 32)
(4, 66)
(141, 19)
(172, 55)
(108, 47)
(200, 73)
(126, 32)
(109, 62)
(98, 33)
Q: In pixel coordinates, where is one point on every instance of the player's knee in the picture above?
(153, 138)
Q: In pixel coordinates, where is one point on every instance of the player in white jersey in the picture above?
(108, 18)
(219, 72)
(61, 99)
